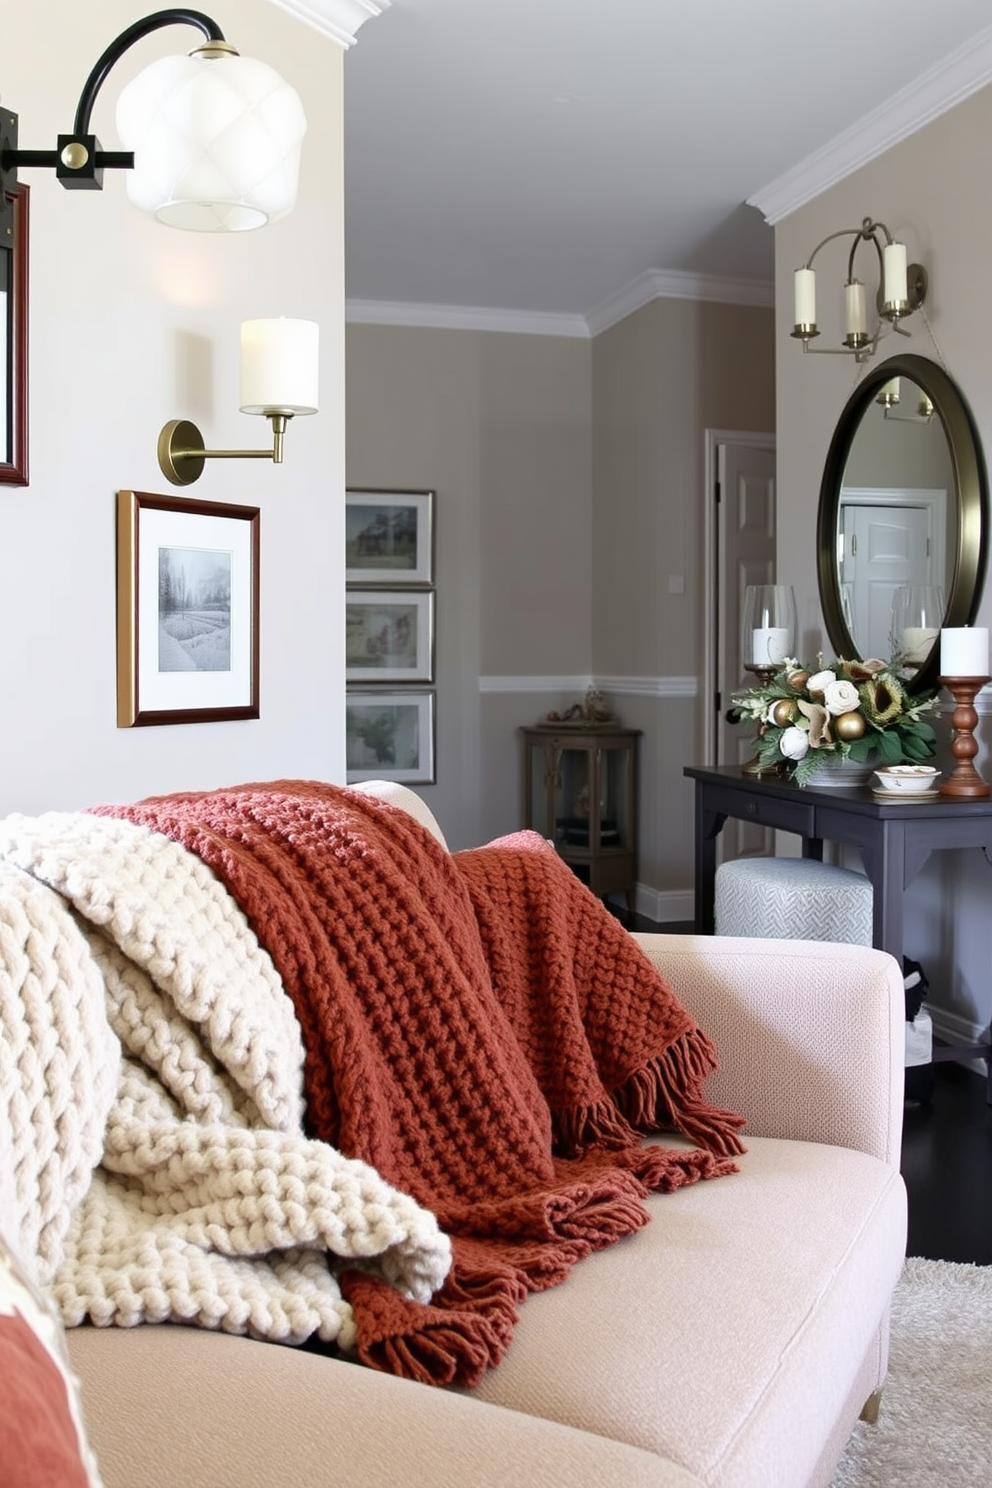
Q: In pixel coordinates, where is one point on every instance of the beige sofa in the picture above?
(733, 1342)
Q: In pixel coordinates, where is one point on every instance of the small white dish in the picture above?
(908, 780)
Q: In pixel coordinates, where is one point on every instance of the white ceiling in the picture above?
(549, 156)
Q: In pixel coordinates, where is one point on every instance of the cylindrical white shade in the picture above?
(805, 291)
(279, 366)
(855, 315)
(964, 651)
(216, 142)
(895, 283)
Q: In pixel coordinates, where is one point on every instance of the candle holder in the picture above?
(764, 674)
(964, 781)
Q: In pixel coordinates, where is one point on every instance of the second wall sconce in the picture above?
(279, 379)
(902, 289)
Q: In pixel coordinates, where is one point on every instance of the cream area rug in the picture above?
(934, 1429)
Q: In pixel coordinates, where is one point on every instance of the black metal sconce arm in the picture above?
(78, 160)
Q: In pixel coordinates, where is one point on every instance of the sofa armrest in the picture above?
(810, 1035)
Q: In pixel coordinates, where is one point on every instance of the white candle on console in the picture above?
(279, 365)
(964, 651)
(769, 645)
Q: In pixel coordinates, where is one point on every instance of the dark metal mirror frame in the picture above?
(971, 480)
(14, 470)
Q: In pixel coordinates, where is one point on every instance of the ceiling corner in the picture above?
(338, 19)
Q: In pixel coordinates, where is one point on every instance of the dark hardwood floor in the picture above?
(946, 1159)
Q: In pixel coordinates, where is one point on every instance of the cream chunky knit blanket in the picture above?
(151, 1102)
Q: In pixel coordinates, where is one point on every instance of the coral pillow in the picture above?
(42, 1441)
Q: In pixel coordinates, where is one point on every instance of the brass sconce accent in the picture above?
(902, 290)
(279, 366)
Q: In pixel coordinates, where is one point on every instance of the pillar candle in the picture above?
(805, 287)
(894, 274)
(279, 361)
(769, 645)
(964, 651)
(916, 642)
(854, 308)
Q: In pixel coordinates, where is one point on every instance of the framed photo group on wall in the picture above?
(390, 647)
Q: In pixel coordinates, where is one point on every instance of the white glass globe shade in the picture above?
(216, 142)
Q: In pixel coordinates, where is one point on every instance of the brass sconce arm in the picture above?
(181, 453)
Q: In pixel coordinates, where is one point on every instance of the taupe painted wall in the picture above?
(569, 478)
(928, 190)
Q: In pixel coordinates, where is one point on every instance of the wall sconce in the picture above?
(889, 399)
(902, 289)
(279, 376)
(213, 138)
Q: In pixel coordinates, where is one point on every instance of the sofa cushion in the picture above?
(42, 1439)
(726, 1334)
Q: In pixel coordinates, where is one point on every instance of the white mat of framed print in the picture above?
(389, 537)
(389, 635)
(187, 610)
(390, 736)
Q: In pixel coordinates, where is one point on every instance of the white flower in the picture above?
(840, 697)
(820, 681)
(794, 743)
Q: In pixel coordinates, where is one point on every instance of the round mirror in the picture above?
(902, 527)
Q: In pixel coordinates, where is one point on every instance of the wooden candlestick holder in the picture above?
(964, 780)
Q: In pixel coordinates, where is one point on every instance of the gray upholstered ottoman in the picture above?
(793, 899)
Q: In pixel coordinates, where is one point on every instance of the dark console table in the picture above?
(894, 839)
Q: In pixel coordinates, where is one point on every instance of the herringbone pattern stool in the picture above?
(793, 899)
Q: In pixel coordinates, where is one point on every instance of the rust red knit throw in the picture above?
(476, 1026)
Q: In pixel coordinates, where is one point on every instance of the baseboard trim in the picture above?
(951, 1028)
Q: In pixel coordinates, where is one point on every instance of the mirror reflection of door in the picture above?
(886, 540)
(897, 523)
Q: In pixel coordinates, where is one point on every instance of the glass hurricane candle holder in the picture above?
(768, 627)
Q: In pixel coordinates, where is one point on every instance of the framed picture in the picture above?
(390, 736)
(14, 338)
(187, 610)
(389, 635)
(389, 537)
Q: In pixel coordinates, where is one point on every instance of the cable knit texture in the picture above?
(149, 1032)
(476, 1027)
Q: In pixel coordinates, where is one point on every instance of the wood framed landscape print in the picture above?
(389, 635)
(187, 610)
(390, 736)
(389, 537)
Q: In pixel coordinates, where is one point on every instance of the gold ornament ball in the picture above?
(849, 726)
(783, 713)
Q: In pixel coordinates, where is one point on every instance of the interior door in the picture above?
(745, 555)
(883, 544)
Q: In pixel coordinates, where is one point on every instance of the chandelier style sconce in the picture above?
(902, 289)
(890, 399)
(279, 374)
(213, 137)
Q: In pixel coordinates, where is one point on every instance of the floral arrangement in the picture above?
(860, 710)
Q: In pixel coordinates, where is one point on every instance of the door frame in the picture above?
(716, 443)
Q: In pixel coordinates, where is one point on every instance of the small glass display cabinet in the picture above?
(581, 792)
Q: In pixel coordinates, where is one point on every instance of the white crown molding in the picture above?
(943, 86)
(464, 318)
(667, 284)
(656, 284)
(338, 19)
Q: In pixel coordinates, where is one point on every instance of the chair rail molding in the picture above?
(338, 19)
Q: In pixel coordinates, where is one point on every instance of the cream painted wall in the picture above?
(132, 324)
(928, 191)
